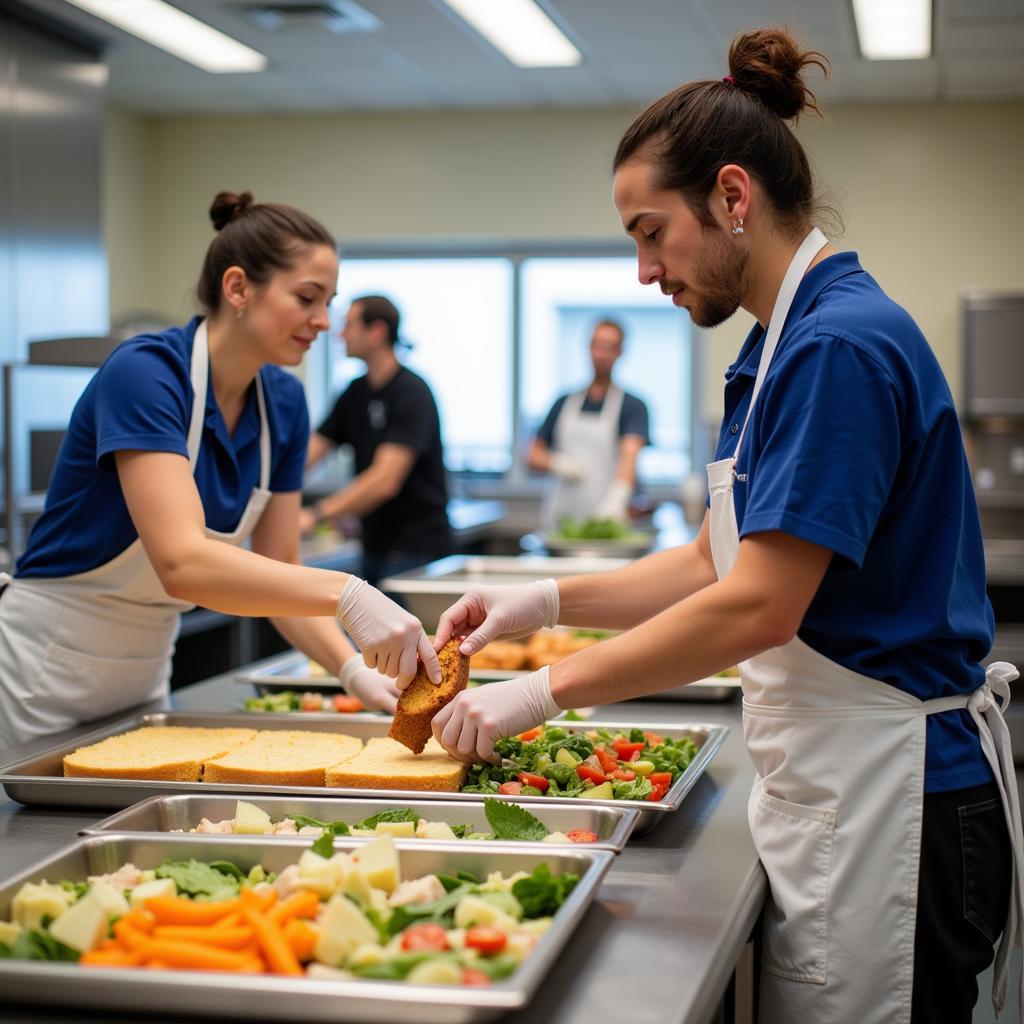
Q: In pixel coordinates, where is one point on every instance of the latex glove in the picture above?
(567, 468)
(615, 503)
(370, 686)
(475, 720)
(487, 612)
(386, 634)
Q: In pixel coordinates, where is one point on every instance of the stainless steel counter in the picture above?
(657, 947)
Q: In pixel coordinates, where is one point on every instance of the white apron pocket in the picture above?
(795, 845)
(86, 686)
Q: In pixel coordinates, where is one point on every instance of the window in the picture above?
(457, 313)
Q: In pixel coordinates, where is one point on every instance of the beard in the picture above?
(720, 281)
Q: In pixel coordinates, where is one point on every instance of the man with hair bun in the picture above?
(840, 566)
(589, 440)
(184, 446)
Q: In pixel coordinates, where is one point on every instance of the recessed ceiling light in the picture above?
(520, 30)
(177, 32)
(894, 29)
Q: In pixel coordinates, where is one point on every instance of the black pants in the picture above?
(962, 901)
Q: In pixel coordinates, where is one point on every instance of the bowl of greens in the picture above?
(604, 537)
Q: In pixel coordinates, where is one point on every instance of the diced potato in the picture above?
(398, 829)
(366, 954)
(321, 874)
(436, 830)
(112, 900)
(473, 910)
(158, 887)
(35, 901)
(325, 973)
(83, 926)
(520, 945)
(251, 820)
(343, 928)
(535, 926)
(377, 862)
(435, 972)
(9, 931)
(556, 837)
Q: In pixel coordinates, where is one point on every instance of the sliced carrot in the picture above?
(222, 938)
(233, 920)
(176, 910)
(157, 965)
(301, 938)
(273, 945)
(139, 918)
(254, 965)
(260, 900)
(128, 935)
(192, 955)
(304, 903)
(110, 958)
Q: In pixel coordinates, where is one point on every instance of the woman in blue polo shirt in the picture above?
(184, 446)
(840, 566)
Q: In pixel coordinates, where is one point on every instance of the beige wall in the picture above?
(927, 193)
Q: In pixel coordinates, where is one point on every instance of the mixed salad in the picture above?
(508, 821)
(331, 915)
(598, 764)
(596, 529)
(293, 700)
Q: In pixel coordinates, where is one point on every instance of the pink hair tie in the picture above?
(729, 79)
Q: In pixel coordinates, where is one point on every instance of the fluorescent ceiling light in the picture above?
(894, 29)
(520, 30)
(177, 32)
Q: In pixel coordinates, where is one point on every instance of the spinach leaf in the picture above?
(36, 945)
(200, 880)
(542, 893)
(392, 814)
(451, 882)
(324, 845)
(510, 821)
(395, 969)
(441, 911)
(339, 827)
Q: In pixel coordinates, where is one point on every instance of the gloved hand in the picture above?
(388, 636)
(470, 725)
(615, 503)
(370, 686)
(491, 612)
(567, 468)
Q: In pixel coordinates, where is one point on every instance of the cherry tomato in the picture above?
(471, 976)
(658, 792)
(346, 704)
(510, 788)
(530, 734)
(537, 781)
(586, 773)
(623, 775)
(424, 938)
(581, 835)
(486, 939)
(311, 702)
(625, 749)
(607, 761)
(661, 779)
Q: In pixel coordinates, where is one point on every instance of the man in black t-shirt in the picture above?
(390, 420)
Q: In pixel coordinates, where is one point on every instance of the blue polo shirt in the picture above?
(854, 444)
(141, 399)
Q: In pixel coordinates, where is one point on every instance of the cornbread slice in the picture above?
(385, 764)
(173, 753)
(282, 758)
(421, 699)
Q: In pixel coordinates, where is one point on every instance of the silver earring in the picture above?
(240, 312)
(737, 227)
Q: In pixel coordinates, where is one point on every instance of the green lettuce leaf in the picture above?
(203, 881)
(510, 821)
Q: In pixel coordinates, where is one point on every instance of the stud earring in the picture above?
(737, 227)
(240, 312)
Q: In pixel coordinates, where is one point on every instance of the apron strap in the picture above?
(200, 377)
(264, 435)
(986, 706)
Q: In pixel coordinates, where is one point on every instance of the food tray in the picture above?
(39, 780)
(289, 671)
(612, 825)
(209, 994)
(634, 545)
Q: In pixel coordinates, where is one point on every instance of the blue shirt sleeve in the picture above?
(546, 433)
(290, 457)
(827, 447)
(143, 402)
(634, 418)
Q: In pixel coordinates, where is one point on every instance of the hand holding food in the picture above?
(421, 700)
(388, 636)
(370, 686)
(485, 613)
(471, 724)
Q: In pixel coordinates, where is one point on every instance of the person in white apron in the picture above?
(590, 440)
(78, 645)
(888, 823)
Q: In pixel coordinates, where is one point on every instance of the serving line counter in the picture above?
(660, 944)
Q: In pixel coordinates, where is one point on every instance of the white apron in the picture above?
(837, 806)
(592, 439)
(79, 647)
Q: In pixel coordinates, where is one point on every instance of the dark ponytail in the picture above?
(695, 130)
(261, 238)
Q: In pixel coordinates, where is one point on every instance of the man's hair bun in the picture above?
(227, 206)
(769, 64)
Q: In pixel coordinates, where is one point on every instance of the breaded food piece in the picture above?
(421, 699)
(500, 654)
(283, 757)
(385, 764)
(172, 753)
(553, 648)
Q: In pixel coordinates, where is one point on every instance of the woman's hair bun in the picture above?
(769, 64)
(227, 206)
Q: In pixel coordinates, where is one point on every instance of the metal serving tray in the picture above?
(428, 591)
(207, 994)
(39, 780)
(289, 671)
(612, 825)
(635, 545)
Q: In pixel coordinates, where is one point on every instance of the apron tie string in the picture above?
(986, 705)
